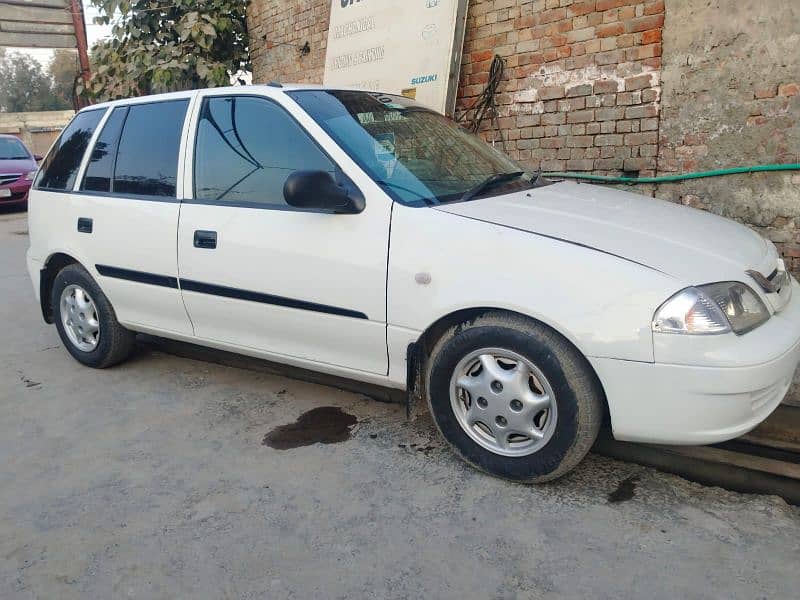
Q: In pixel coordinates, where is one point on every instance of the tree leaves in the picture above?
(25, 86)
(168, 45)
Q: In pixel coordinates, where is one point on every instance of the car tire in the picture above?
(86, 321)
(543, 403)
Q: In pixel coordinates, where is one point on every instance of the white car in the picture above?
(362, 235)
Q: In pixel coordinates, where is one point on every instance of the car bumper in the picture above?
(19, 194)
(692, 404)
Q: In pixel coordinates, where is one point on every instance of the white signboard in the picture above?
(409, 47)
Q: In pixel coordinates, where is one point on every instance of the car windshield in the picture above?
(416, 155)
(11, 149)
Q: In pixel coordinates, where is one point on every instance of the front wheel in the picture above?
(86, 322)
(513, 397)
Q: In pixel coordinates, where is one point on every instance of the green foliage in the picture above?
(167, 45)
(26, 86)
(63, 70)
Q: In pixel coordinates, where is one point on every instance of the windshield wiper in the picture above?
(400, 187)
(489, 182)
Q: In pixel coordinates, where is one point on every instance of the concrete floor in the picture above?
(150, 480)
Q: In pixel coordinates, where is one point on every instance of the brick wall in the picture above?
(587, 88)
(278, 30)
(582, 86)
(731, 97)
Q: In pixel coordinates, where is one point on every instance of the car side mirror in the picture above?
(38, 157)
(319, 190)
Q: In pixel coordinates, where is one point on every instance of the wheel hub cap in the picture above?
(79, 317)
(503, 402)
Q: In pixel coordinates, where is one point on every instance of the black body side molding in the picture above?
(226, 292)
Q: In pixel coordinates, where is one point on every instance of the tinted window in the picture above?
(101, 163)
(60, 168)
(247, 147)
(147, 159)
(11, 148)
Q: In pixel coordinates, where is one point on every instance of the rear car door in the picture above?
(257, 273)
(127, 213)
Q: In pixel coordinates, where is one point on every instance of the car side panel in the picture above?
(134, 238)
(602, 304)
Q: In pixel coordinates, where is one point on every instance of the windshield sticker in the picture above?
(386, 151)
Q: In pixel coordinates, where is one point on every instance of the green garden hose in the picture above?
(673, 178)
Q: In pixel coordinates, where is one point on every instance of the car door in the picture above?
(127, 208)
(257, 273)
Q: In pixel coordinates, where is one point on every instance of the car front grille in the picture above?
(9, 177)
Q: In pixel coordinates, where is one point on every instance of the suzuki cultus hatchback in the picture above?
(363, 235)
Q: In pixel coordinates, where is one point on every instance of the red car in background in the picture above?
(17, 170)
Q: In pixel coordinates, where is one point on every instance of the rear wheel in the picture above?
(86, 321)
(514, 397)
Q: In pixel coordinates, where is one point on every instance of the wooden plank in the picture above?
(708, 472)
(63, 4)
(34, 14)
(48, 28)
(37, 40)
(780, 430)
(736, 459)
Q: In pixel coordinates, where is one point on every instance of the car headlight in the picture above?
(30, 175)
(711, 309)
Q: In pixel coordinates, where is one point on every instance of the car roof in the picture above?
(268, 89)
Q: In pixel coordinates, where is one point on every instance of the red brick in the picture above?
(551, 93)
(605, 86)
(644, 111)
(580, 116)
(583, 164)
(481, 56)
(651, 36)
(581, 8)
(608, 4)
(548, 16)
(609, 30)
(554, 142)
(579, 90)
(644, 23)
(579, 141)
(765, 92)
(639, 82)
(789, 89)
(654, 8)
(792, 250)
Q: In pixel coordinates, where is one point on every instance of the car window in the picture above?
(147, 158)
(419, 157)
(101, 162)
(60, 168)
(247, 147)
(12, 149)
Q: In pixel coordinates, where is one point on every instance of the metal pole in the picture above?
(79, 24)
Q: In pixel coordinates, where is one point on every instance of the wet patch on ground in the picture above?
(626, 490)
(323, 425)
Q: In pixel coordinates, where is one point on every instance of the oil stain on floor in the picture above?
(324, 425)
(625, 490)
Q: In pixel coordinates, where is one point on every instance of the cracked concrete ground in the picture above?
(150, 480)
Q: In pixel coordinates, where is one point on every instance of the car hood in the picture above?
(689, 244)
(21, 165)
